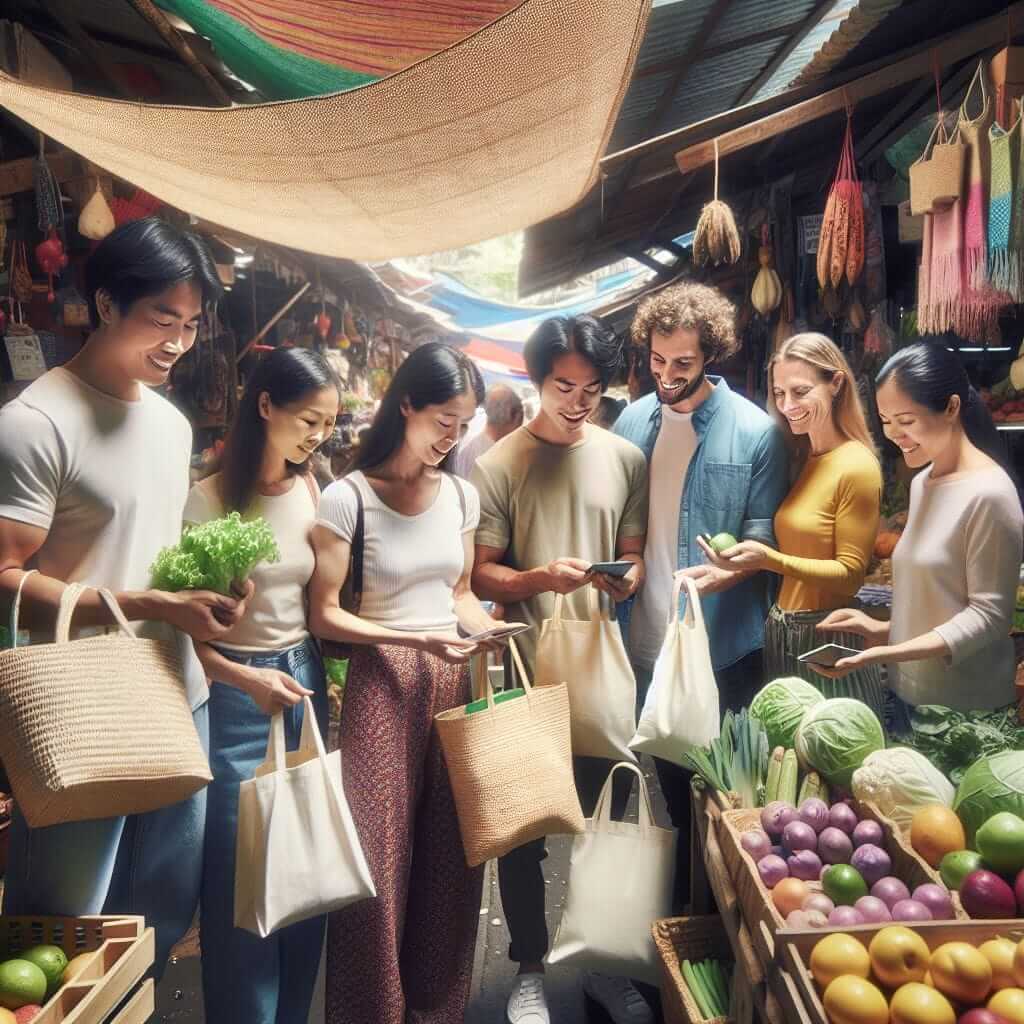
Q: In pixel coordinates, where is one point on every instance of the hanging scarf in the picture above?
(1003, 258)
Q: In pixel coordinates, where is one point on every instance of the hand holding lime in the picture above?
(721, 542)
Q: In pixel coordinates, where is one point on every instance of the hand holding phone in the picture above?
(505, 631)
(827, 655)
(617, 569)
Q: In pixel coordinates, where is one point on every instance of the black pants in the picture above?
(737, 686)
(521, 878)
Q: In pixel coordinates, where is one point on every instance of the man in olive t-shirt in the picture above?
(556, 496)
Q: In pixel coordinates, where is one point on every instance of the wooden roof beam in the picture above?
(953, 48)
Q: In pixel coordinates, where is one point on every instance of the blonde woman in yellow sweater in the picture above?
(826, 526)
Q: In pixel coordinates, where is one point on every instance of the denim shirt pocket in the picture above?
(726, 485)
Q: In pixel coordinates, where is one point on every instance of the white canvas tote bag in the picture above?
(588, 655)
(681, 708)
(620, 882)
(298, 853)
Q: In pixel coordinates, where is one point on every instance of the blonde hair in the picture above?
(824, 356)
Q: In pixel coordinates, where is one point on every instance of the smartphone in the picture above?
(618, 569)
(827, 655)
(505, 631)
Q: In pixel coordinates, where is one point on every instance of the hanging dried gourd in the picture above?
(96, 220)
(841, 241)
(766, 295)
(716, 238)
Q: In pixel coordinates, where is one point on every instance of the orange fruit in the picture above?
(935, 830)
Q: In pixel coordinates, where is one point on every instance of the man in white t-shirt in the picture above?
(93, 481)
(503, 411)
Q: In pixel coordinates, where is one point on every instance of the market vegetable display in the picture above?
(897, 979)
(214, 555)
(835, 736)
(709, 982)
(898, 781)
(781, 705)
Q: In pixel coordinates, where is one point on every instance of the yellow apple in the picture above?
(1000, 953)
(1008, 1003)
(961, 971)
(915, 1003)
(898, 956)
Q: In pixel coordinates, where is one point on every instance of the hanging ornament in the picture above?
(766, 295)
(21, 277)
(49, 209)
(716, 238)
(96, 220)
(52, 259)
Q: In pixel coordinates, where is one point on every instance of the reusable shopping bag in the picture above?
(590, 657)
(620, 881)
(298, 853)
(681, 708)
(98, 727)
(510, 767)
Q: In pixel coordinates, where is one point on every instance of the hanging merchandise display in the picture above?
(766, 295)
(716, 238)
(953, 292)
(96, 220)
(1004, 271)
(841, 243)
(937, 174)
(20, 276)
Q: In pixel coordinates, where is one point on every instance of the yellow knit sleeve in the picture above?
(858, 499)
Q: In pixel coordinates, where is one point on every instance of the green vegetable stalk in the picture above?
(214, 555)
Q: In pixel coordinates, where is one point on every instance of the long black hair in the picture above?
(287, 375)
(432, 375)
(146, 257)
(930, 374)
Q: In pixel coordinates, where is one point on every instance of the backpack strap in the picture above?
(355, 567)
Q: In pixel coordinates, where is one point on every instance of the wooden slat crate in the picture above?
(689, 938)
(794, 948)
(123, 949)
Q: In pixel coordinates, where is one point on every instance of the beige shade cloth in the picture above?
(498, 132)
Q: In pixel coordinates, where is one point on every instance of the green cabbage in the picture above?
(781, 705)
(215, 554)
(992, 784)
(899, 781)
(835, 736)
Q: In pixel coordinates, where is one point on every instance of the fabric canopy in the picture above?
(500, 131)
(292, 48)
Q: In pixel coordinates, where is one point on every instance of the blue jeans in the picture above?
(148, 864)
(246, 979)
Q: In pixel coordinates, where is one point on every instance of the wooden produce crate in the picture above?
(123, 949)
(794, 948)
(140, 1007)
(755, 898)
(687, 938)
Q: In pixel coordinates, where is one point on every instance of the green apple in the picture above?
(722, 542)
(1001, 842)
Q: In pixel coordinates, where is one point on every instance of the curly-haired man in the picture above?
(717, 464)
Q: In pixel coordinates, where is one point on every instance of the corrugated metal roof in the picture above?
(671, 31)
(744, 20)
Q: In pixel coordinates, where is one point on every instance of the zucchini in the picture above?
(787, 778)
(771, 786)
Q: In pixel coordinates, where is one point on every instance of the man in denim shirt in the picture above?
(717, 465)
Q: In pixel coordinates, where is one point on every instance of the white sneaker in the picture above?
(526, 1003)
(620, 999)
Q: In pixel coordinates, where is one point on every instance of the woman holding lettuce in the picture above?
(955, 568)
(93, 479)
(267, 663)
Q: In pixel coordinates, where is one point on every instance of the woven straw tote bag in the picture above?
(937, 176)
(510, 766)
(98, 727)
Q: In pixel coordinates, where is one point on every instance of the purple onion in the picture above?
(872, 862)
(843, 917)
(834, 846)
(756, 843)
(843, 817)
(786, 815)
(772, 870)
(814, 812)
(873, 910)
(868, 832)
(936, 899)
(890, 891)
(770, 819)
(805, 865)
(820, 902)
(911, 910)
(798, 835)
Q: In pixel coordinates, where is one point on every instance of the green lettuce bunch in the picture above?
(216, 554)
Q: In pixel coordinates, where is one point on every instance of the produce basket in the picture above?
(123, 949)
(755, 898)
(794, 946)
(686, 938)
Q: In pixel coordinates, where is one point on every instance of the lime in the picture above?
(51, 960)
(722, 542)
(955, 867)
(843, 885)
(21, 983)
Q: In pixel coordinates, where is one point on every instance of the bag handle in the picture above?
(694, 614)
(309, 739)
(16, 607)
(593, 607)
(69, 602)
(979, 80)
(602, 809)
(524, 679)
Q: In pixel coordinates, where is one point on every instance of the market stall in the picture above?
(843, 846)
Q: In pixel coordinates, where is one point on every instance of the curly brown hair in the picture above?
(696, 307)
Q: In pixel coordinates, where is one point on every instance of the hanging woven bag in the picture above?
(937, 176)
